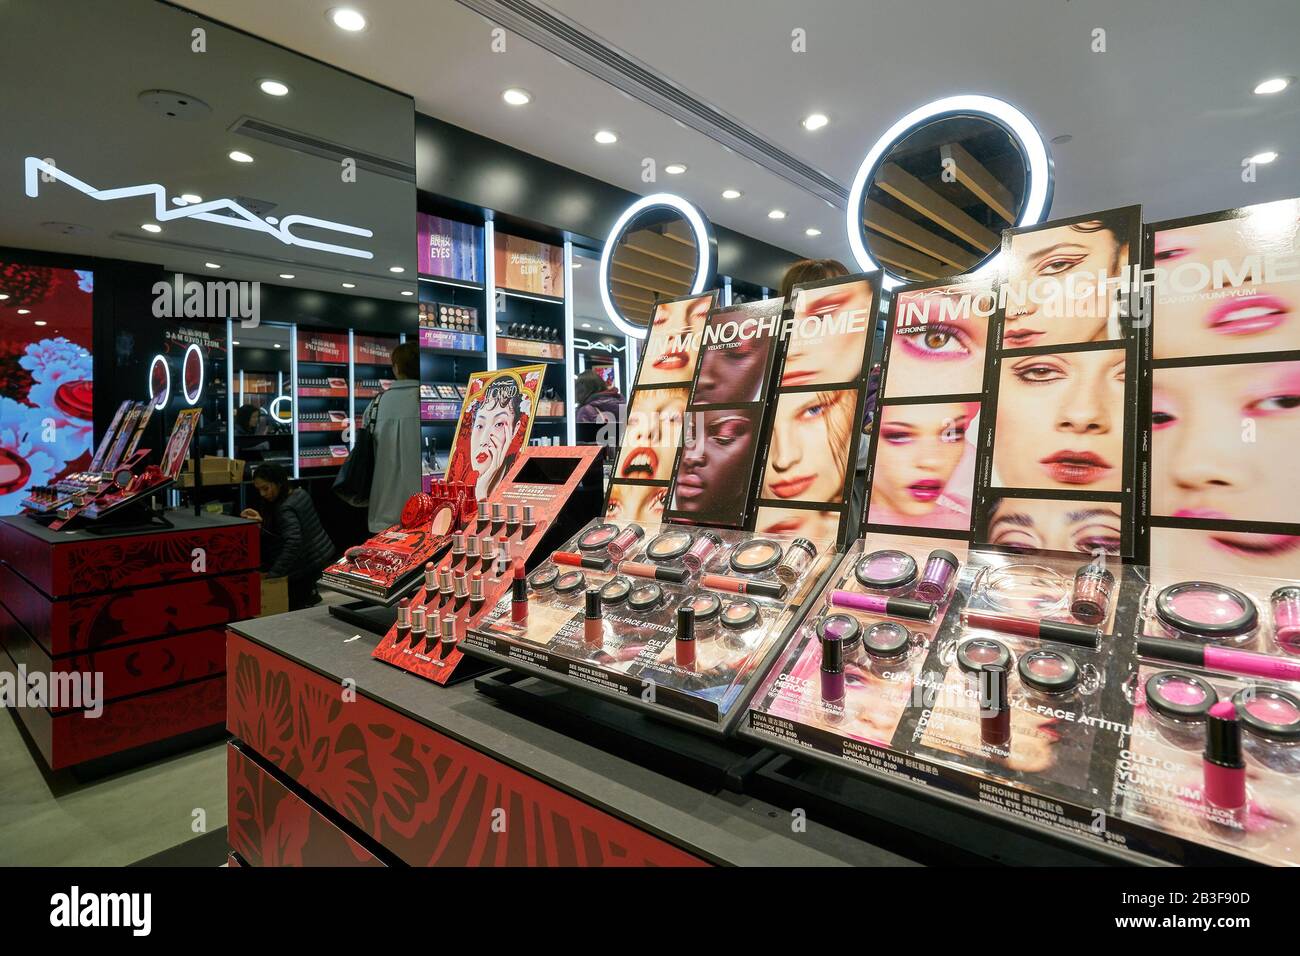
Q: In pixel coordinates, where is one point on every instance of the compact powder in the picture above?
(569, 582)
(981, 652)
(598, 538)
(1269, 712)
(755, 556)
(615, 590)
(542, 578)
(886, 570)
(886, 640)
(739, 614)
(669, 545)
(1179, 696)
(645, 596)
(706, 605)
(1207, 611)
(1049, 672)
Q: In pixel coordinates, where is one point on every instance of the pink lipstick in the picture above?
(925, 490)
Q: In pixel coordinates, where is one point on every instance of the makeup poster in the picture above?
(656, 410)
(921, 468)
(496, 419)
(178, 443)
(806, 466)
(1224, 430)
(725, 419)
(452, 250)
(1058, 436)
(524, 265)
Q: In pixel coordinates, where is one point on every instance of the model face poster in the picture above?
(656, 411)
(495, 421)
(1225, 399)
(816, 423)
(178, 444)
(1060, 412)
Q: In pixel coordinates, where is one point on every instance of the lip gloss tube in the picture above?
(1219, 658)
(721, 582)
(832, 667)
(1225, 770)
(995, 707)
(684, 645)
(593, 630)
(519, 595)
(659, 573)
(403, 622)
(569, 559)
(1077, 635)
(448, 636)
(530, 523)
(879, 604)
(418, 630)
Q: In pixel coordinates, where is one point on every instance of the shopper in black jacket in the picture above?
(294, 545)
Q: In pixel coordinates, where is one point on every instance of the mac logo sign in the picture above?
(227, 212)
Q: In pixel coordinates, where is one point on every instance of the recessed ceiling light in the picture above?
(731, 194)
(517, 97)
(191, 198)
(586, 325)
(396, 269)
(286, 275)
(1275, 84)
(274, 88)
(812, 232)
(151, 227)
(407, 292)
(675, 169)
(240, 156)
(776, 214)
(211, 265)
(24, 311)
(605, 137)
(1264, 158)
(349, 285)
(815, 121)
(277, 345)
(40, 322)
(345, 18)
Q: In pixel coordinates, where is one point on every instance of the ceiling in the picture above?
(1162, 117)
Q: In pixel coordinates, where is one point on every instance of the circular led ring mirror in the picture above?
(705, 252)
(1037, 195)
(192, 399)
(166, 392)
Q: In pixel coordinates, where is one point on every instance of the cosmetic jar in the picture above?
(707, 608)
(615, 590)
(598, 538)
(543, 578)
(645, 597)
(1207, 612)
(1023, 589)
(798, 557)
(981, 652)
(625, 541)
(739, 614)
(570, 581)
(886, 643)
(1048, 673)
(940, 568)
(1271, 719)
(706, 543)
(1178, 703)
(1285, 604)
(669, 545)
(886, 572)
(1090, 601)
(755, 556)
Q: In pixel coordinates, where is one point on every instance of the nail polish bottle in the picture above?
(593, 628)
(519, 595)
(1225, 770)
(995, 708)
(684, 646)
(403, 622)
(475, 593)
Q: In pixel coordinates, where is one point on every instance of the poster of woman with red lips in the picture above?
(46, 378)
(495, 422)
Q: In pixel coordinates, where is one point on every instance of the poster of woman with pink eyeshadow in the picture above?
(937, 343)
(924, 471)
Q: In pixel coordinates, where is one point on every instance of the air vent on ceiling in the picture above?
(572, 43)
(315, 146)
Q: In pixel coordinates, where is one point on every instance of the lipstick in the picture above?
(462, 591)
(512, 519)
(471, 552)
(418, 629)
(475, 593)
(1076, 635)
(995, 707)
(529, 524)
(444, 587)
(482, 518)
(684, 645)
(403, 622)
(832, 666)
(880, 604)
(569, 559)
(721, 582)
(1224, 659)
(675, 575)
(593, 630)
(519, 595)
(503, 558)
(457, 548)
(430, 584)
(448, 636)
(498, 516)
(1225, 770)
(487, 550)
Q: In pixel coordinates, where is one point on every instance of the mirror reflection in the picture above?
(654, 258)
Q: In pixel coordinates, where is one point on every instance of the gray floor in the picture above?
(52, 819)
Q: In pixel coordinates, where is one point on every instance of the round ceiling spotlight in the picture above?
(605, 137)
(1275, 84)
(517, 97)
(273, 88)
(815, 121)
(347, 19)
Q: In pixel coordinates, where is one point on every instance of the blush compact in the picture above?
(886, 642)
(739, 614)
(1049, 673)
(707, 608)
(887, 571)
(1178, 703)
(1207, 612)
(981, 652)
(598, 538)
(1271, 720)
(543, 578)
(615, 590)
(570, 581)
(669, 545)
(755, 556)
(646, 596)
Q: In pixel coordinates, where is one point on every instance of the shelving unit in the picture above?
(448, 355)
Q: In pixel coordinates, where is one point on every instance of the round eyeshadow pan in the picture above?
(615, 590)
(668, 545)
(1049, 672)
(706, 604)
(645, 596)
(755, 556)
(598, 538)
(569, 582)
(1203, 609)
(886, 640)
(543, 578)
(1180, 696)
(1269, 712)
(739, 614)
(980, 652)
(885, 570)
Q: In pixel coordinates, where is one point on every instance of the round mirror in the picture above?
(661, 247)
(934, 194)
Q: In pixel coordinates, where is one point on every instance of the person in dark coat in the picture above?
(294, 544)
(596, 401)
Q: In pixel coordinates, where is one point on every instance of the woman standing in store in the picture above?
(597, 401)
(294, 545)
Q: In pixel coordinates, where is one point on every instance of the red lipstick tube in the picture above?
(519, 595)
(1225, 771)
